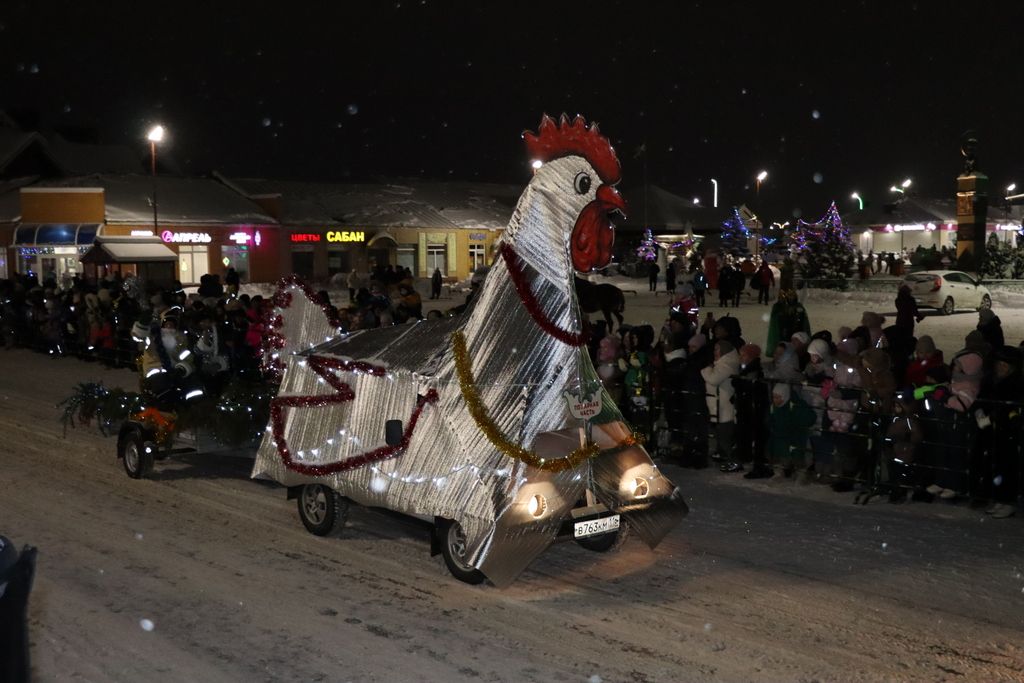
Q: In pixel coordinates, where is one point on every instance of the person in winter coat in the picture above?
(652, 276)
(788, 317)
(700, 285)
(991, 328)
(873, 323)
(784, 365)
(670, 277)
(751, 411)
(725, 284)
(436, 280)
(966, 373)
(720, 392)
(789, 424)
(999, 418)
(165, 360)
(926, 358)
(903, 435)
(698, 357)
(765, 281)
(906, 310)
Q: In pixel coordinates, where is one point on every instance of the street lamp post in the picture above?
(760, 179)
(860, 201)
(155, 135)
(714, 183)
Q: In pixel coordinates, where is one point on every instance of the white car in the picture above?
(947, 290)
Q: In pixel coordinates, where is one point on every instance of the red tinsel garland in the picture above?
(323, 366)
(273, 321)
(526, 295)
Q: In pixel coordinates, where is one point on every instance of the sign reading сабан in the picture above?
(346, 236)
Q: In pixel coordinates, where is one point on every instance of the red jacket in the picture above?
(918, 370)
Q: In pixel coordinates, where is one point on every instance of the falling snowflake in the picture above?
(266, 122)
(797, 212)
(34, 69)
(815, 114)
(818, 178)
(138, 536)
(146, 624)
(352, 109)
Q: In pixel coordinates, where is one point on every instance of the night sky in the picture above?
(827, 99)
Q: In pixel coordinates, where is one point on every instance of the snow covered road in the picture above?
(200, 574)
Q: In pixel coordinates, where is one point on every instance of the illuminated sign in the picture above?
(186, 237)
(304, 237)
(345, 236)
(142, 233)
(477, 237)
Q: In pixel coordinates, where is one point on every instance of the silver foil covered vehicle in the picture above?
(492, 425)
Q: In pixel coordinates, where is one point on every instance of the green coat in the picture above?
(788, 428)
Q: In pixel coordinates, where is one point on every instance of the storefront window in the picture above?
(477, 256)
(193, 263)
(437, 258)
(338, 261)
(407, 257)
(237, 258)
(302, 261)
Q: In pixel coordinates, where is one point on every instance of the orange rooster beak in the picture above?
(611, 200)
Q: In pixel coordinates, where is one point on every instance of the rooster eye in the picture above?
(582, 183)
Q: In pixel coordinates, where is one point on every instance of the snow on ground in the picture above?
(201, 574)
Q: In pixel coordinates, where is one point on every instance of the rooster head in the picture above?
(591, 180)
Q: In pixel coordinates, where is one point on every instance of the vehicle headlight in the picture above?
(641, 488)
(537, 505)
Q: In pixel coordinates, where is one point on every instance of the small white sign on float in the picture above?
(583, 406)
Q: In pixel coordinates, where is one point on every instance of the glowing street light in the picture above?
(1011, 187)
(905, 184)
(696, 201)
(860, 201)
(155, 135)
(715, 184)
(896, 189)
(760, 179)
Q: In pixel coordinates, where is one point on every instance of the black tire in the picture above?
(605, 542)
(136, 453)
(453, 549)
(947, 306)
(986, 302)
(321, 509)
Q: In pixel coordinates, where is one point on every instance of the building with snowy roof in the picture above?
(208, 225)
(329, 228)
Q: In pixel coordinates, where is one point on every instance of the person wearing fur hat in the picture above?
(720, 392)
(166, 355)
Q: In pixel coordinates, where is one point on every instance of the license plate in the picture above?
(593, 527)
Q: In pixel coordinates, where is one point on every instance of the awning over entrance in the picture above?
(129, 250)
(55, 234)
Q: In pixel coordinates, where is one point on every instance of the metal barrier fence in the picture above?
(975, 453)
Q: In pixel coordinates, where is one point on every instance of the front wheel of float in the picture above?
(453, 549)
(321, 509)
(605, 542)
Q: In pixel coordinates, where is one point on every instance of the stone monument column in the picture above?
(971, 206)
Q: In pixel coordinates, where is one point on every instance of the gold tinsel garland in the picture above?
(464, 370)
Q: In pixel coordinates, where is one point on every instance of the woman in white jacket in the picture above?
(718, 380)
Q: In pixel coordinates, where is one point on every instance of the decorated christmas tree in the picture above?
(735, 234)
(824, 250)
(648, 249)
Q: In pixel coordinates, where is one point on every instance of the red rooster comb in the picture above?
(554, 141)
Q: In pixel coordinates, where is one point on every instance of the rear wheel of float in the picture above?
(136, 453)
(321, 509)
(453, 549)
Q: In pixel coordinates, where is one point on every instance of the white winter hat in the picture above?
(782, 391)
(819, 348)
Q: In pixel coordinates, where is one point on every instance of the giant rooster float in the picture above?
(492, 425)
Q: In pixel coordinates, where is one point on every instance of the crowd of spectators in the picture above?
(870, 407)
